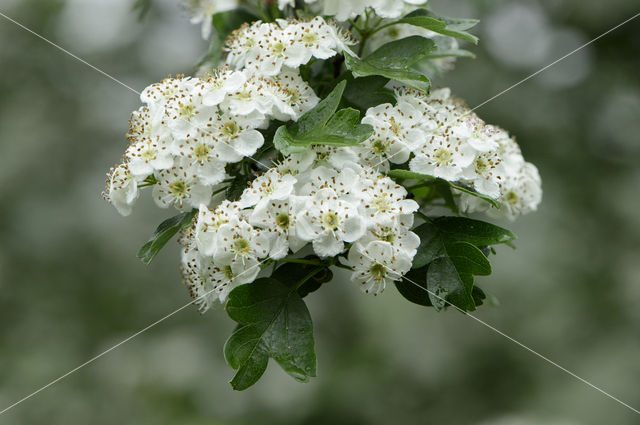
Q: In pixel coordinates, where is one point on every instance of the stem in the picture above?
(424, 217)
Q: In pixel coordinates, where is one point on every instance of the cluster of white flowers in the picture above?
(202, 10)
(266, 48)
(190, 129)
(346, 9)
(443, 138)
(320, 197)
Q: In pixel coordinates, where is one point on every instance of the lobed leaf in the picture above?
(276, 324)
(396, 60)
(322, 125)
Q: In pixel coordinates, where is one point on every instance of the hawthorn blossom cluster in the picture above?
(266, 48)
(439, 136)
(202, 10)
(322, 198)
(190, 129)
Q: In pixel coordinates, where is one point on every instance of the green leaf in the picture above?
(367, 92)
(291, 274)
(277, 325)
(450, 252)
(163, 234)
(237, 186)
(323, 126)
(446, 26)
(413, 287)
(441, 187)
(447, 284)
(476, 232)
(468, 259)
(396, 60)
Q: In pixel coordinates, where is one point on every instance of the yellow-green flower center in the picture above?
(230, 129)
(178, 189)
(378, 271)
(282, 221)
(241, 247)
(330, 221)
(442, 157)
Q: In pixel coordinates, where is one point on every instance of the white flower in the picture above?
(147, 156)
(396, 232)
(328, 222)
(396, 132)
(376, 265)
(235, 137)
(270, 186)
(279, 218)
(486, 173)
(180, 187)
(382, 199)
(221, 83)
(522, 193)
(199, 155)
(209, 222)
(202, 11)
(122, 189)
(443, 156)
(239, 241)
(208, 283)
(292, 95)
(323, 177)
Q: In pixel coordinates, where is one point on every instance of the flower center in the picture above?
(230, 129)
(241, 247)
(382, 204)
(511, 197)
(201, 152)
(278, 49)
(442, 157)
(395, 127)
(378, 271)
(178, 189)
(379, 146)
(149, 154)
(481, 166)
(187, 111)
(310, 38)
(282, 221)
(330, 221)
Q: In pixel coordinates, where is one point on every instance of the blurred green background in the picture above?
(71, 286)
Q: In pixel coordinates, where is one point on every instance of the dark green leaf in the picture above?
(163, 234)
(323, 126)
(367, 92)
(446, 283)
(291, 274)
(476, 232)
(277, 325)
(446, 26)
(478, 296)
(396, 60)
(469, 259)
(414, 287)
(237, 186)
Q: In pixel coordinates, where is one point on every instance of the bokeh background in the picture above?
(71, 286)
